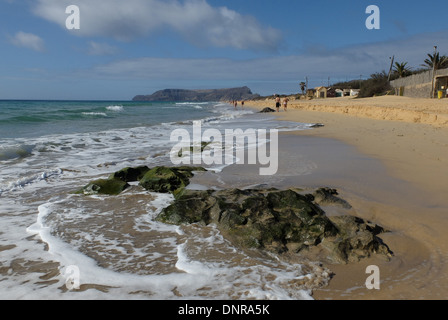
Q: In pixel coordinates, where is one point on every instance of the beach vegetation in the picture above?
(401, 69)
(377, 85)
(436, 61)
(351, 84)
(303, 87)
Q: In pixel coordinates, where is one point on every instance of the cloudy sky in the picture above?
(125, 48)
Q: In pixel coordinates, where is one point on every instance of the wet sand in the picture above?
(394, 173)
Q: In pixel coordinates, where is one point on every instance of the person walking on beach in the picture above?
(277, 103)
(235, 103)
(242, 104)
(285, 103)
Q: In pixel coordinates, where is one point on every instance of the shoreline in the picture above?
(413, 154)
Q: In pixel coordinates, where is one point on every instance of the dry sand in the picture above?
(410, 139)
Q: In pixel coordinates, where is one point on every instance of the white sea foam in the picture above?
(191, 103)
(115, 108)
(27, 180)
(239, 277)
(102, 114)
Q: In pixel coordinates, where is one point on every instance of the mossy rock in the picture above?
(158, 179)
(269, 218)
(105, 186)
(168, 180)
(357, 239)
(278, 221)
(130, 174)
(191, 207)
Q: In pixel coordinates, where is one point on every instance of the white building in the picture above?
(321, 92)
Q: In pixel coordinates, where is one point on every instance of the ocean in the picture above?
(56, 244)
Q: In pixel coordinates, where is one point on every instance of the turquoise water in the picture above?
(20, 119)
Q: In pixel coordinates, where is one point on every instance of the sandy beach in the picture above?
(409, 140)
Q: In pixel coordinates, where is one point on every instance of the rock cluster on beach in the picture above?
(280, 221)
(157, 179)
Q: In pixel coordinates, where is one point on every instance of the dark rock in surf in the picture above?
(105, 187)
(267, 110)
(167, 179)
(282, 221)
(158, 179)
(130, 174)
(327, 196)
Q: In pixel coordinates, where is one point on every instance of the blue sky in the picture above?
(125, 48)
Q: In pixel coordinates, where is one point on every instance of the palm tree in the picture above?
(401, 69)
(303, 87)
(436, 61)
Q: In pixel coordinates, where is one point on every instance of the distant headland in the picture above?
(242, 93)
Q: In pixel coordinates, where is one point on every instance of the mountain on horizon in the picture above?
(182, 95)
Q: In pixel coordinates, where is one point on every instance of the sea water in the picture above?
(112, 247)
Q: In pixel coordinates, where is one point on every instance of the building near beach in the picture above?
(339, 93)
(331, 93)
(420, 85)
(321, 92)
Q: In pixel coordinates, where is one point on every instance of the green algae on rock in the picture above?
(130, 174)
(158, 179)
(167, 179)
(105, 186)
(281, 221)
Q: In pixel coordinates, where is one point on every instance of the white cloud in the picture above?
(101, 49)
(350, 62)
(28, 40)
(195, 20)
(278, 68)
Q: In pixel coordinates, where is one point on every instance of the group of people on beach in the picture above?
(279, 102)
(235, 103)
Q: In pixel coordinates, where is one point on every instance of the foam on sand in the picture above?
(200, 256)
